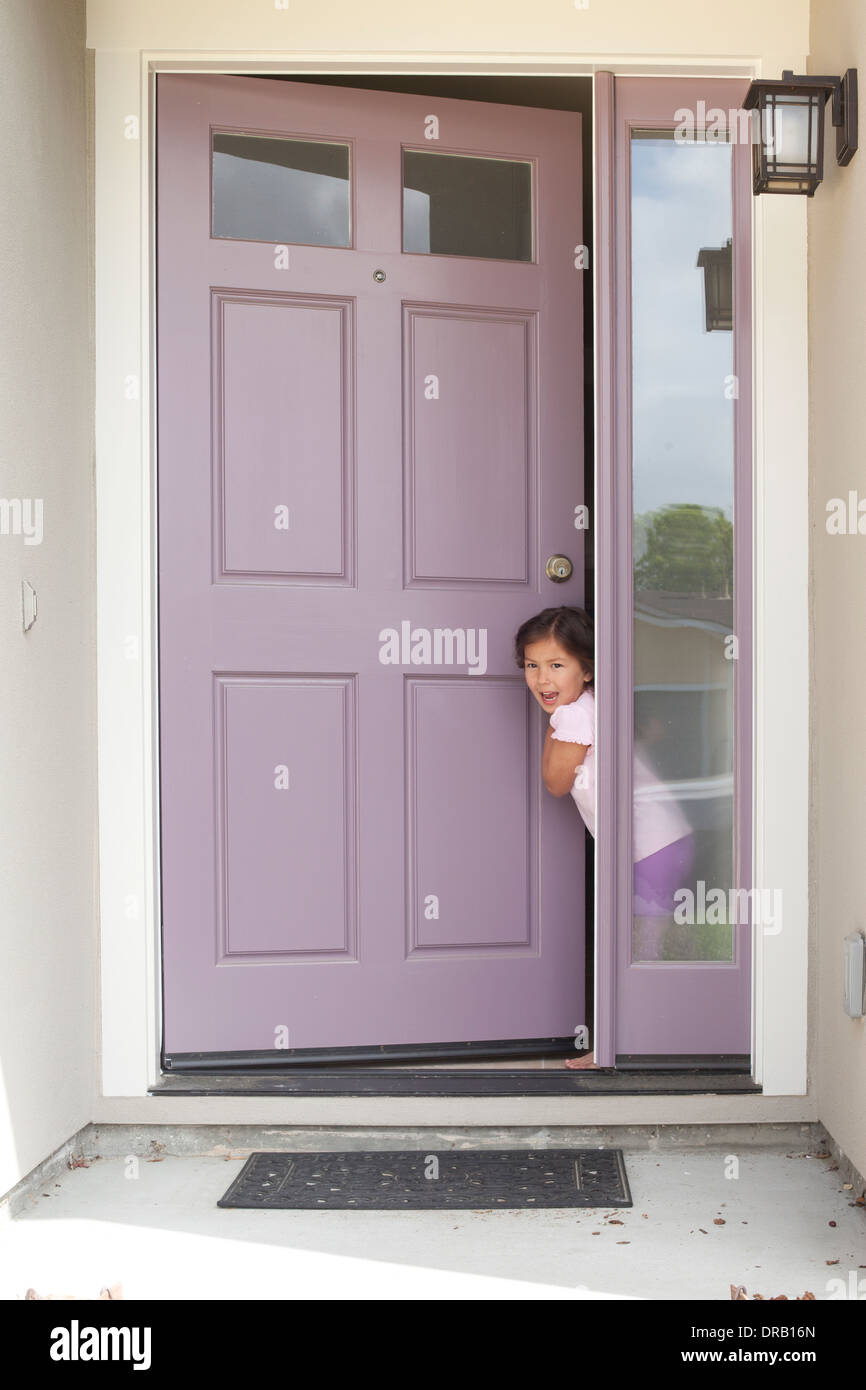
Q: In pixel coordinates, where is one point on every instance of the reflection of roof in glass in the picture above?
(684, 610)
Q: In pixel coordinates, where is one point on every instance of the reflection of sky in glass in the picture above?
(683, 424)
(266, 201)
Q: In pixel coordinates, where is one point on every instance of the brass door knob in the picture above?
(559, 568)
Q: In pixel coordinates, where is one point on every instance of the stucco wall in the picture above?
(47, 677)
(413, 28)
(837, 746)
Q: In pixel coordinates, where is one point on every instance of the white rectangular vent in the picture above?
(855, 975)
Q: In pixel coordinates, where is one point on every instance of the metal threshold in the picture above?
(463, 1081)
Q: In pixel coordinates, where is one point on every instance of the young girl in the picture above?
(556, 650)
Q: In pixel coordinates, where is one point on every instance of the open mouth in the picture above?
(549, 699)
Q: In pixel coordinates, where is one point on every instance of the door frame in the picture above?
(126, 568)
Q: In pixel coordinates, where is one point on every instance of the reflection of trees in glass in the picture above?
(686, 549)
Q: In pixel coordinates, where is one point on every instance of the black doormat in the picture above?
(417, 1179)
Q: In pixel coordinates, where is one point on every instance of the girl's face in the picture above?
(554, 676)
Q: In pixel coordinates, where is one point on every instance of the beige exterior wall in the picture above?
(48, 941)
(769, 30)
(678, 655)
(835, 751)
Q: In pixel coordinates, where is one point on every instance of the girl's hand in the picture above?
(559, 763)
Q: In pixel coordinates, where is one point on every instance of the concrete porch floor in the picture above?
(149, 1221)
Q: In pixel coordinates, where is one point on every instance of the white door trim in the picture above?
(126, 568)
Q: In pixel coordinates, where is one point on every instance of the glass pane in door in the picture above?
(459, 205)
(270, 189)
(683, 496)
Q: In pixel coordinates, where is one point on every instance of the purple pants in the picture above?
(658, 877)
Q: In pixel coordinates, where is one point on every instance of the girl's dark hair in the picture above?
(572, 627)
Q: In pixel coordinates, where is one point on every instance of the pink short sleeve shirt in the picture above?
(575, 723)
(658, 820)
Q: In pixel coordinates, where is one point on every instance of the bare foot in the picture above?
(583, 1063)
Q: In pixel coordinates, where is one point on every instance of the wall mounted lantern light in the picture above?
(788, 144)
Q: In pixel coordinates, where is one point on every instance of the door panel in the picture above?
(283, 435)
(365, 456)
(269, 843)
(462, 724)
(470, 454)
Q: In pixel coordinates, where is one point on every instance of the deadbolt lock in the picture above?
(559, 568)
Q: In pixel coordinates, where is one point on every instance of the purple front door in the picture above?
(370, 442)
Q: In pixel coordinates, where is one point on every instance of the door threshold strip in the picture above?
(466, 1082)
